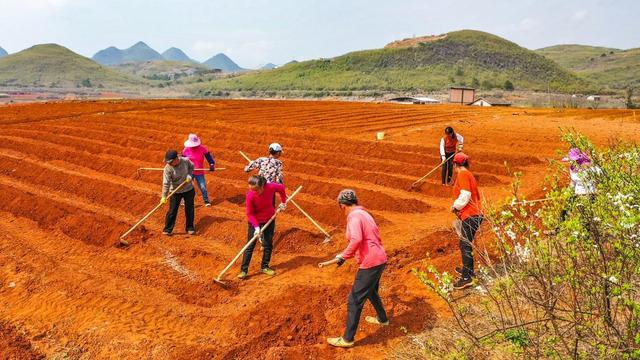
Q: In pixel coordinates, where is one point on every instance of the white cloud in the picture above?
(527, 24)
(580, 15)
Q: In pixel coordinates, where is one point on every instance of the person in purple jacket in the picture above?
(365, 246)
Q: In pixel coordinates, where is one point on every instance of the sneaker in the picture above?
(459, 271)
(166, 233)
(242, 275)
(268, 271)
(374, 320)
(339, 342)
(463, 283)
(191, 232)
(207, 204)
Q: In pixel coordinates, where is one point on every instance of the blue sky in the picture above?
(256, 32)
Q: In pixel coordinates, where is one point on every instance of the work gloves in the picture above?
(282, 207)
(212, 167)
(340, 260)
(256, 231)
(163, 200)
(443, 158)
(188, 178)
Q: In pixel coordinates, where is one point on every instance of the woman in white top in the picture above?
(450, 143)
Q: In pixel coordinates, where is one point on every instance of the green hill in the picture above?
(464, 57)
(608, 67)
(52, 65)
(164, 70)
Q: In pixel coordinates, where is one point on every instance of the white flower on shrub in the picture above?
(523, 253)
(510, 234)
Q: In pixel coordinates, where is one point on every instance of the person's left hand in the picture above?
(212, 167)
(188, 178)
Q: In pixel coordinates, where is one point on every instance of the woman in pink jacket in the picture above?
(260, 209)
(366, 247)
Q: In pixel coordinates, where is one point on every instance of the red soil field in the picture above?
(70, 187)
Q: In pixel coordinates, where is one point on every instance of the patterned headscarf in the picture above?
(347, 197)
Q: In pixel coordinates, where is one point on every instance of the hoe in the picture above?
(327, 237)
(122, 240)
(253, 239)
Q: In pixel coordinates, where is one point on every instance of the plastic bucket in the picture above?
(380, 135)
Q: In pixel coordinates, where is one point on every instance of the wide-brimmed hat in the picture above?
(192, 141)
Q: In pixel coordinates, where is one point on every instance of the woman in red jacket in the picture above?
(260, 209)
(365, 246)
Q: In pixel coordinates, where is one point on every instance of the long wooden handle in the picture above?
(297, 206)
(310, 218)
(160, 169)
(327, 263)
(245, 156)
(432, 170)
(152, 211)
(255, 236)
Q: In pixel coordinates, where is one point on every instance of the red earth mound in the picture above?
(71, 187)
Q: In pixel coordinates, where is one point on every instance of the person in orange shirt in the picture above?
(468, 209)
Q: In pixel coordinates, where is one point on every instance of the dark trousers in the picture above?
(364, 287)
(469, 227)
(447, 169)
(267, 244)
(174, 205)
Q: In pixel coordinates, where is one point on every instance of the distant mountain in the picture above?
(430, 63)
(222, 62)
(175, 54)
(3, 52)
(138, 52)
(269, 66)
(52, 65)
(163, 70)
(608, 67)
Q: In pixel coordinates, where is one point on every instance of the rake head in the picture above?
(221, 283)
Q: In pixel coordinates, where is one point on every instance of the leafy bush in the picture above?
(558, 288)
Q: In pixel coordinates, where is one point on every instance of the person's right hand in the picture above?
(188, 178)
(443, 158)
(340, 260)
(163, 200)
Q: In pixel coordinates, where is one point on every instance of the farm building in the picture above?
(489, 102)
(414, 100)
(461, 95)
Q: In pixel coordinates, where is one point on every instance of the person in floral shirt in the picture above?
(269, 167)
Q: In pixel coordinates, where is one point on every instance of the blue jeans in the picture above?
(202, 184)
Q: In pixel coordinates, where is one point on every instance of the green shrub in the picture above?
(561, 288)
